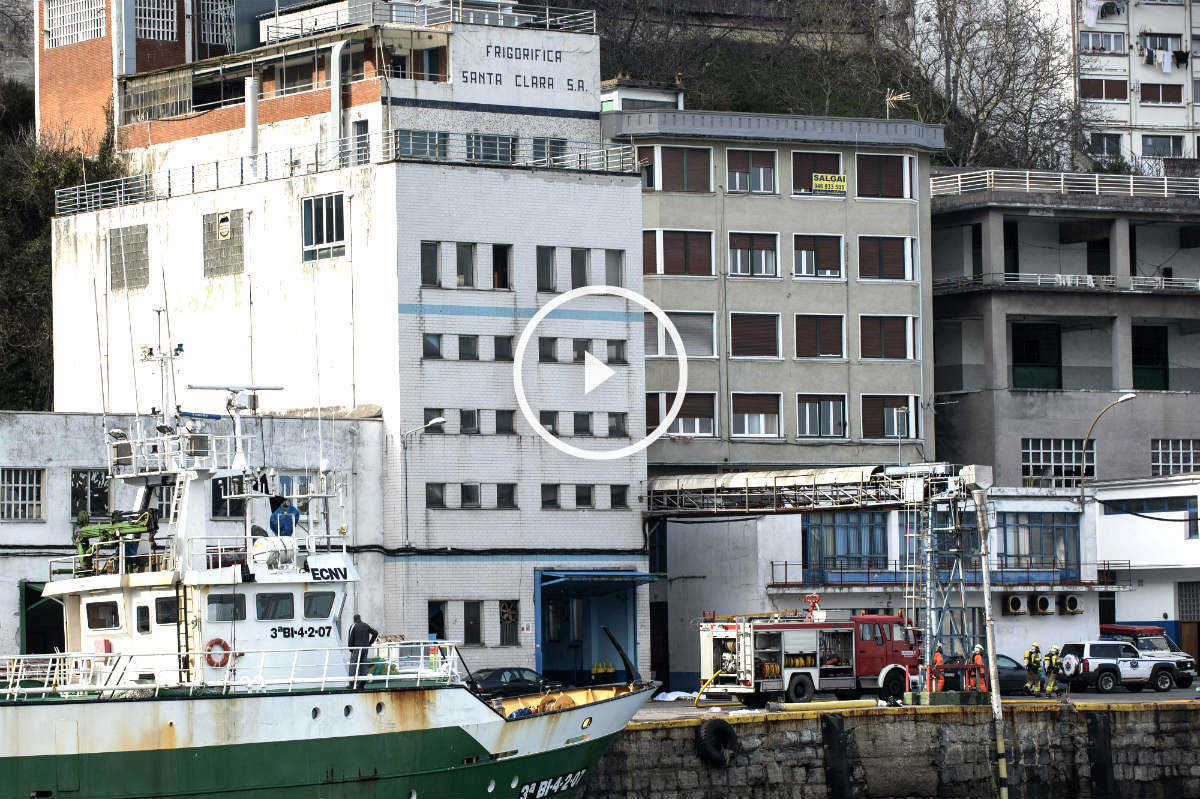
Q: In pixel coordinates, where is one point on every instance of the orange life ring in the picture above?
(217, 661)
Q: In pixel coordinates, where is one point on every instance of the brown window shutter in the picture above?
(645, 156)
(1116, 90)
(802, 243)
(802, 172)
(762, 243)
(830, 328)
(1091, 89)
(829, 252)
(827, 163)
(895, 339)
(739, 241)
(649, 252)
(895, 401)
(892, 257)
(868, 257)
(699, 254)
(1172, 93)
(674, 248)
(759, 160)
(891, 176)
(653, 417)
(1150, 92)
(695, 405)
(870, 336)
(872, 417)
(868, 176)
(672, 169)
(806, 336)
(738, 160)
(753, 335)
(697, 169)
(756, 403)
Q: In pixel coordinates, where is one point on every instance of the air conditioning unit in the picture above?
(1042, 605)
(1015, 605)
(1070, 604)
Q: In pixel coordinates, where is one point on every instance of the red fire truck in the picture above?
(793, 654)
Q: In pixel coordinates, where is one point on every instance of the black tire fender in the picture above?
(800, 689)
(1158, 683)
(1183, 680)
(716, 742)
(1100, 679)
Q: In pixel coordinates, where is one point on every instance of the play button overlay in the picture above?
(596, 373)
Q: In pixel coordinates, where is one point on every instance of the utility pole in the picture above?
(980, 497)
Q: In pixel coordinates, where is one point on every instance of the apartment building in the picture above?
(1137, 76)
(1054, 295)
(366, 206)
(792, 254)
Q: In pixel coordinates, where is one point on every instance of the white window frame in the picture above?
(658, 259)
(330, 249)
(841, 357)
(1115, 38)
(660, 345)
(216, 23)
(155, 20)
(1174, 456)
(22, 494)
(912, 344)
(797, 275)
(1162, 136)
(671, 431)
(750, 180)
(912, 259)
(914, 428)
(751, 265)
(72, 21)
(909, 178)
(779, 432)
(802, 423)
(778, 356)
(1105, 135)
(1056, 454)
(809, 195)
(1143, 43)
(712, 178)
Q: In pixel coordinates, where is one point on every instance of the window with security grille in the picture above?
(21, 494)
(154, 19)
(421, 143)
(1174, 455)
(71, 21)
(216, 22)
(222, 233)
(324, 227)
(89, 493)
(1189, 601)
(510, 618)
(1057, 462)
(490, 147)
(128, 258)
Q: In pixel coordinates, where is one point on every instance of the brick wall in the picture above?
(75, 87)
(231, 117)
(156, 54)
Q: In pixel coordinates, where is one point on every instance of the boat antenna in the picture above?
(322, 471)
(165, 357)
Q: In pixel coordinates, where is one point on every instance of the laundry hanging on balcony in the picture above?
(1091, 12)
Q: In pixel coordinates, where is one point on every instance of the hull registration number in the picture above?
(301, 632)
(552, 785)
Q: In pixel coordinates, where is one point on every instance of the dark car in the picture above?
(512, 681)
(1010, 673)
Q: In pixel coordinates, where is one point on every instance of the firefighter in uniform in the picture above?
(978, 679)
(1033, 669)
(1053, 666)
(934, 679)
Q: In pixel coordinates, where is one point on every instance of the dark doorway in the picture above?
(1036, 355)
(1151, 370)
(660, 652)
(1097, 257)
(41, 620)
(1108, 607)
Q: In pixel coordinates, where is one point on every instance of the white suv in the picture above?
(1107, 664)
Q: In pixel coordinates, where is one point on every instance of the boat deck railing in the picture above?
(167, 454)
(105, 675)
(111, 558)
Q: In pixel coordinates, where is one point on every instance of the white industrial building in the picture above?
(376, 228)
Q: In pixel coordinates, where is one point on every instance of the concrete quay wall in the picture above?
(1087, 750)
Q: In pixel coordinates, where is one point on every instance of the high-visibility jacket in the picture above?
(1033, 660)
(1052, 663)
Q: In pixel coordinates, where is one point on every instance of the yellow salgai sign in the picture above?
(828, 185)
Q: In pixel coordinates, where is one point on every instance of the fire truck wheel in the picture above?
(755, 701)
(800, 689)
(893, 685)
(716, 742)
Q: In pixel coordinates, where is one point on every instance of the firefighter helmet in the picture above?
(1035, 645)
(978, 647)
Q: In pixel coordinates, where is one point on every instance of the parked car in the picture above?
(1009, 673)
(1107, 664)
(512, 681)
(1153, 641)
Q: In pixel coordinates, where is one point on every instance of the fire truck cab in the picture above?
(770, 657)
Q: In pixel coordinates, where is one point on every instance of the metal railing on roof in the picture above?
(869, 570)
(1070, 183)
(434, 12)
(476, 149)
(1053, 280)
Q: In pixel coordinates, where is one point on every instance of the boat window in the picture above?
(274, 606)
(166, 610)
(102, 616)
(226, 607)
(143, 618)
(317, 604)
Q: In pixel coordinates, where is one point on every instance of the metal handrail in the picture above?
(1026, 181)
(380, 147)
(1069, 281)
(175, 453)
(852, 570)
(120, 675)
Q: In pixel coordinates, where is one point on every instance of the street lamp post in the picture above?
(404, 439)
(1083, 453)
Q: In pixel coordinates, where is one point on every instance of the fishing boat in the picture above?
(204, 665)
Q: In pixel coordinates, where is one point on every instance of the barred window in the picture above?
(128, 258)
(154, 19)
(510, 617)
(1056, 462)
(1173, 455)
(70, 21)
(490, 147)
(421, 143)
(21, 494)
(216, 22)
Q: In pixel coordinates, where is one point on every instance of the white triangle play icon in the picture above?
(594, 372)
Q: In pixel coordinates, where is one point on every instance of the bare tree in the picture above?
(16, 30)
